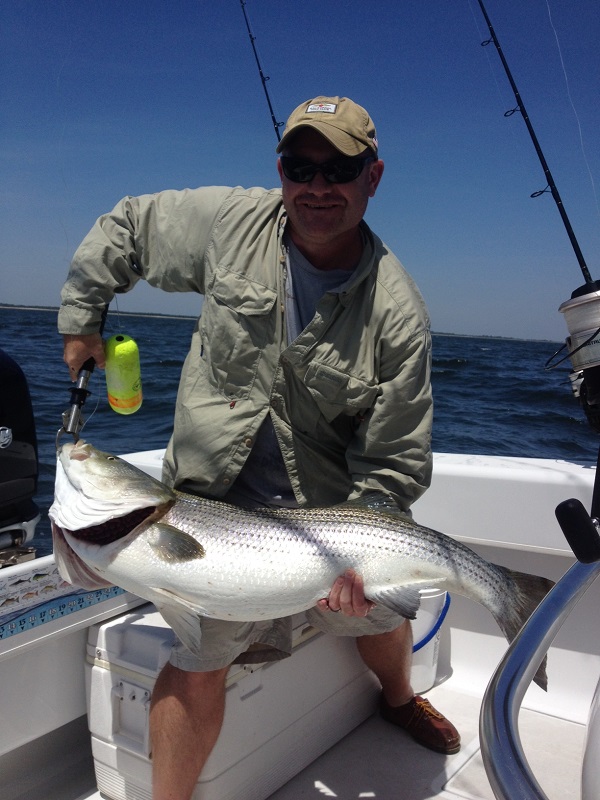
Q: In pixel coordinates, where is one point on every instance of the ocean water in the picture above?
(492, 396)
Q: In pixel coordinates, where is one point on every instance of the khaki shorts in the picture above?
(224, 643)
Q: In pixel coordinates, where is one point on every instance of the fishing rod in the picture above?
(582, 311)
(582, 315)
(551, 183)
(263, 78)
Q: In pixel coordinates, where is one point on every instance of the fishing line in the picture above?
(551, 364)
(85, 421)
(493, 73)
(579, 128)
(117, 313)
(550, 183)
(66, 54)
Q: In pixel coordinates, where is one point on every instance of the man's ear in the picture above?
(375, 173)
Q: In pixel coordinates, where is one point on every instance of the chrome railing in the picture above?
(508, 771)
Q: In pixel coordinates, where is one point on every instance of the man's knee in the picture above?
(175, 681)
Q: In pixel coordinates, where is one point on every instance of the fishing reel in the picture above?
(582, 315)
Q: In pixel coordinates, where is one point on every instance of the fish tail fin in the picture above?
(528, 592)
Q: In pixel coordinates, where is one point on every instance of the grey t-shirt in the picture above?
(263, 480)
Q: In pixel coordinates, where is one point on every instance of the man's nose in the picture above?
(318, 183)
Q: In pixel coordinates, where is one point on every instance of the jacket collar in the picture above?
(363, 268)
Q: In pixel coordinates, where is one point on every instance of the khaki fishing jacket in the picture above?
(350, 398)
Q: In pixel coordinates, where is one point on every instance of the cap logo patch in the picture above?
(326, 108)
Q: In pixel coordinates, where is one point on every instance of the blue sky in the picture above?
(105, 99)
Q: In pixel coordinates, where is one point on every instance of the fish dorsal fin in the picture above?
(172, 545)
(404, 600)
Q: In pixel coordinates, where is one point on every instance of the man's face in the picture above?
(320, 212)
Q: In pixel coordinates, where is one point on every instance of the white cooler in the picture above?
(279, 717)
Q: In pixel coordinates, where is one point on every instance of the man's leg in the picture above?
(185, 720)
(389, 656)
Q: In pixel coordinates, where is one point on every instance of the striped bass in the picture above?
(113, 524)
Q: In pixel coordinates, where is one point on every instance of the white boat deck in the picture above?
(378, 761)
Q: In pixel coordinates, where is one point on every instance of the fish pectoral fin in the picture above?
(185, 624)
(172, 545)
(404, 600)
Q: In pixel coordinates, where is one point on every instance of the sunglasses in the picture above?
(343, 169)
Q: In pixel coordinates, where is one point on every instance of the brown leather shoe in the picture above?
(426, 725)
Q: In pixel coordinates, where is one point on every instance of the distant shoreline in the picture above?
(157, 315)
(54, 309)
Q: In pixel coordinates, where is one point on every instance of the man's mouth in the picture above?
(319, 206)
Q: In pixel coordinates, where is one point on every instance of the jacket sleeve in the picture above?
(161, 238)
(391, 450)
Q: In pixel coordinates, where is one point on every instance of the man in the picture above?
(307, 383)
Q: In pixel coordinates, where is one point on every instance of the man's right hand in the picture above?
(348, 596)
(77, 350)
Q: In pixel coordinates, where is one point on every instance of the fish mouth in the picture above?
(117, 527)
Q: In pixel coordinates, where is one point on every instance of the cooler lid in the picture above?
(139, 640)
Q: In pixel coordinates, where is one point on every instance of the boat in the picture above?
(78, 669)
(52, 652)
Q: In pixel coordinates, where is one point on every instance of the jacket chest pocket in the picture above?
(335, 392)
(236, 324)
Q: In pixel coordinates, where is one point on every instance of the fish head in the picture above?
(100, 500)
(98, 474)
(93, 487)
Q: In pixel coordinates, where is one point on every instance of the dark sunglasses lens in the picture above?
(338, 170)
(298, 170)
(343, 170)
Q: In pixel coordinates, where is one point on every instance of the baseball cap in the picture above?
(344, 123)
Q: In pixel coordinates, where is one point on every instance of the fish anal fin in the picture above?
(404, 600)
(183, 619)
(173, 545)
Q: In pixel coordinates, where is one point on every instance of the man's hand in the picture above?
(79, 348)
(348, 596)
